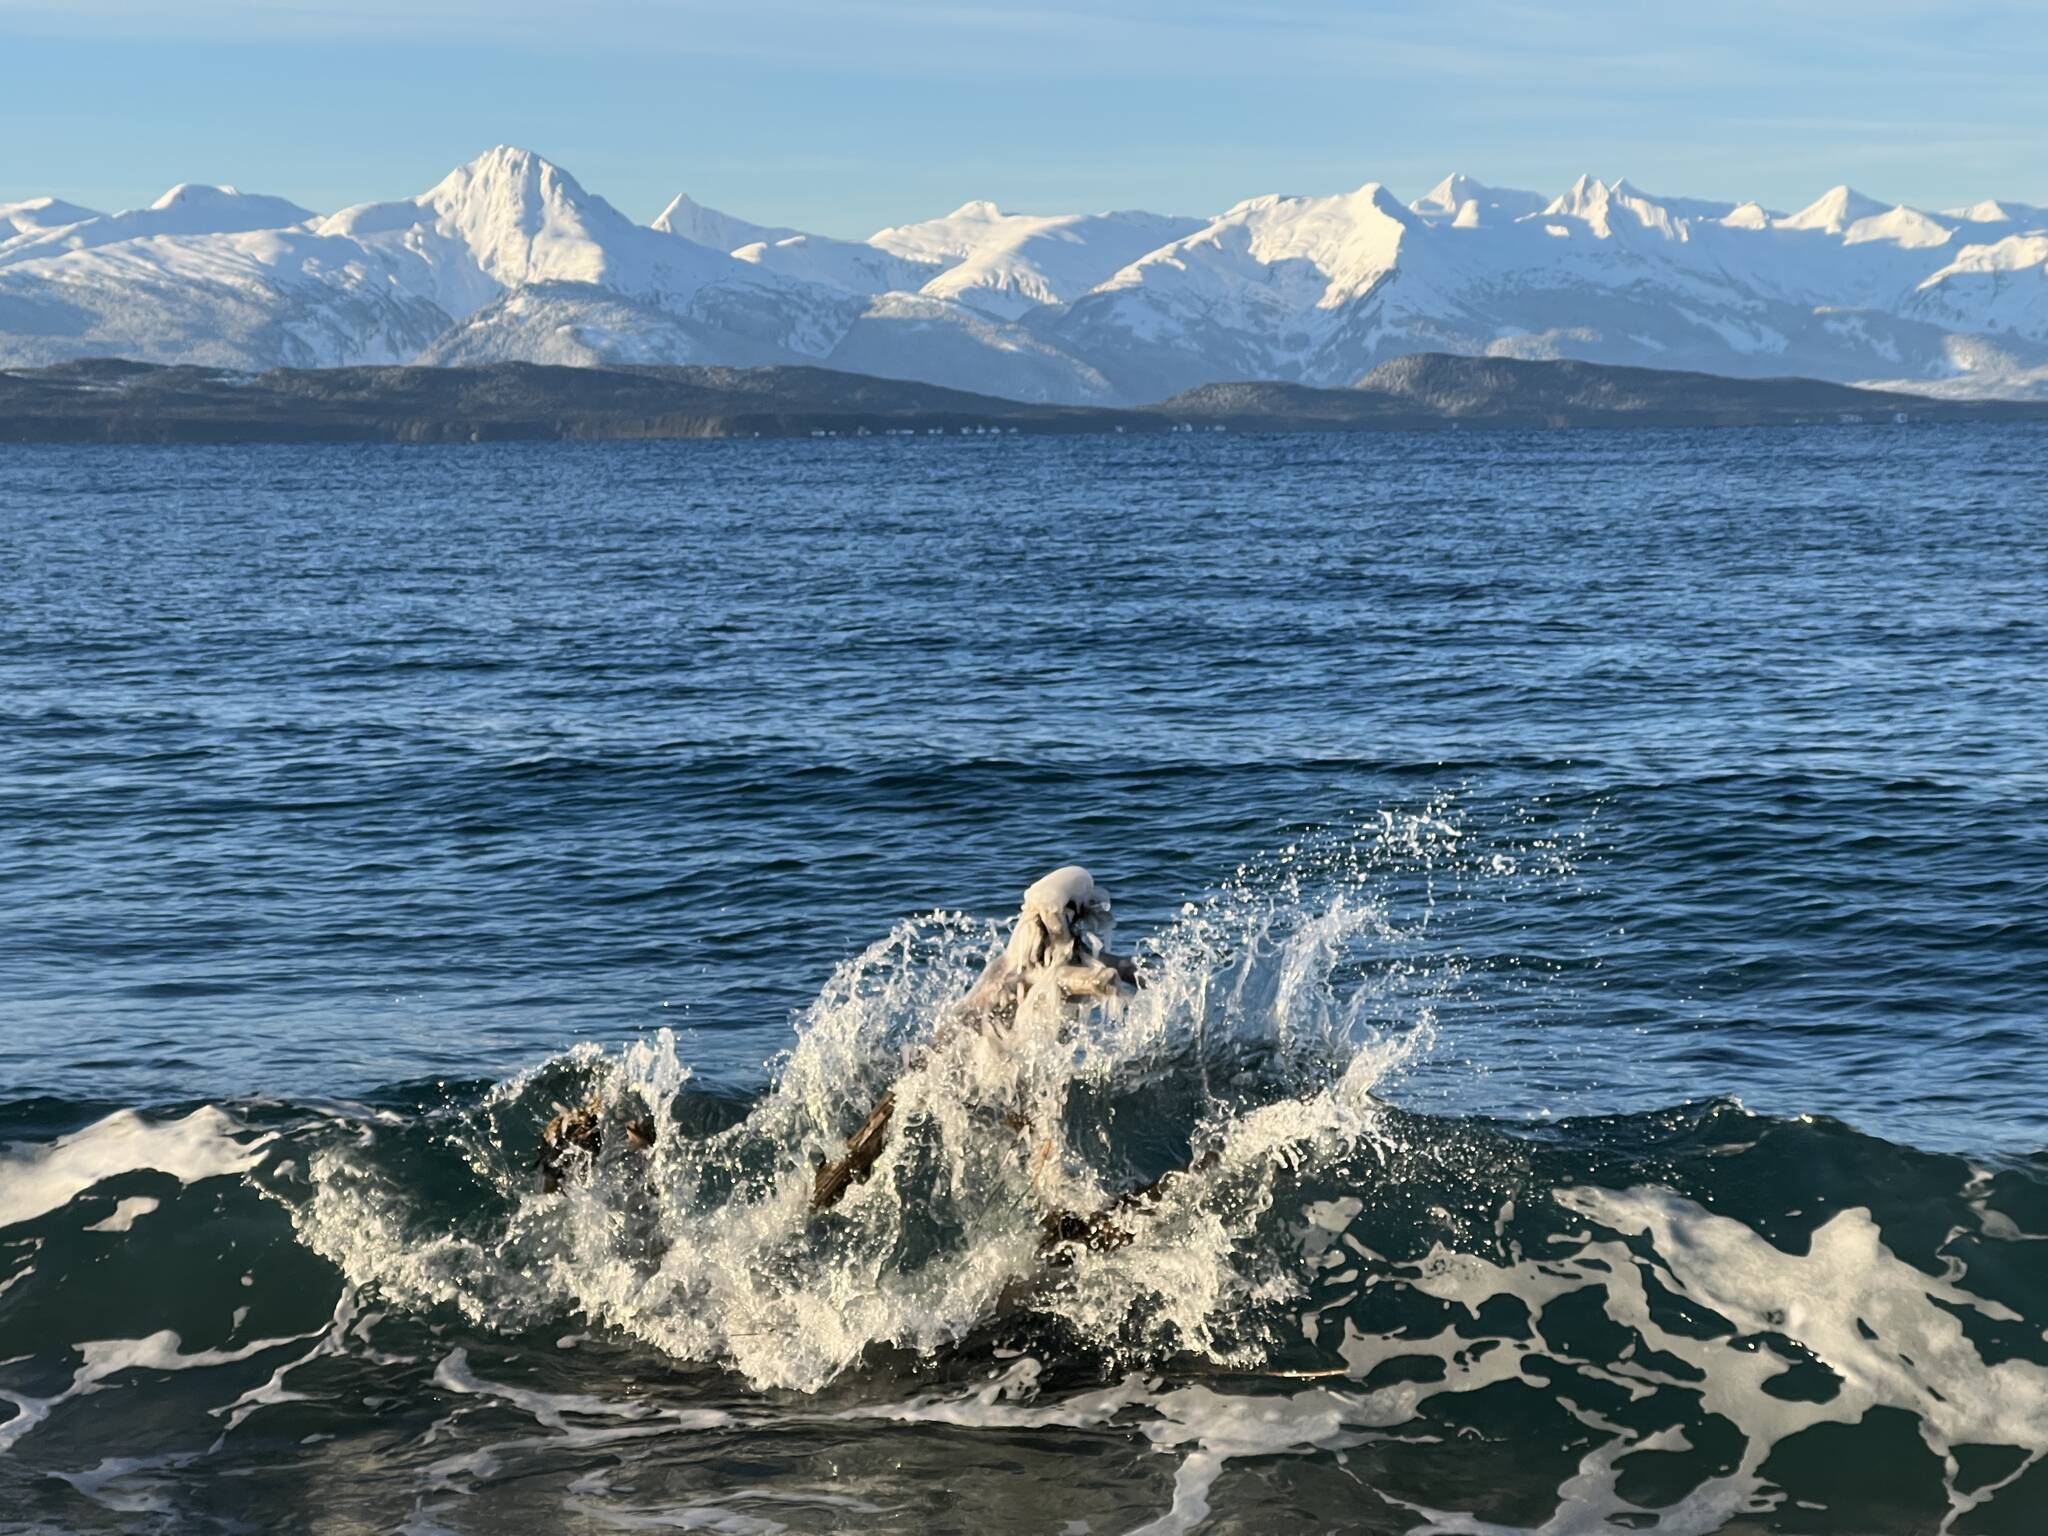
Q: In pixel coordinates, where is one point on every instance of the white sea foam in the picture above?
(564, 1411)
(101, 1359)
(573, 1421)
(1890, 1332)
(126, 1213)
(28, 1248)
(208, 1143)
(331, 1341)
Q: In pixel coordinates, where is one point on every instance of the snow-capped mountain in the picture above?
(509, 257)
(1459, 198)
(39, 213)
(47, 226)
(1008, 264)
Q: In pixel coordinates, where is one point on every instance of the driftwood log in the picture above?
(862, 1148)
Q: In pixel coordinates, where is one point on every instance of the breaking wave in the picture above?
(1272, 1012)
(1690, 1320)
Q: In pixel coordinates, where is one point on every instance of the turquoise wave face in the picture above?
(1700, 1317)
(1587, 887)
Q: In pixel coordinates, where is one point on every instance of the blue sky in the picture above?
(842, 117)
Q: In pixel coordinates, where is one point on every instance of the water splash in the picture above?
(1275, 1009)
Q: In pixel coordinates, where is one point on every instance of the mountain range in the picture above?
(509, 258)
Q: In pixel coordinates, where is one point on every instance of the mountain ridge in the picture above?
(509, 257)
(114, 401)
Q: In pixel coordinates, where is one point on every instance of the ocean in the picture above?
(1590, 892)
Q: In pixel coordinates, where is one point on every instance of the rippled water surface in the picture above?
(1592, 890)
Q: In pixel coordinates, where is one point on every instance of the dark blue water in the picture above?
(1692, 787)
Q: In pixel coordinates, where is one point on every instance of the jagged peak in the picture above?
(689, 219)
(1470, 202)
(1834, 211)
(1449, 195)
(511, 158)
(525, 219)
(1374, 195)
(1582, 198)
(1598, 204)
(978, 208)
(508, 171)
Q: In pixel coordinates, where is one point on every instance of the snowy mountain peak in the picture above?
(194, 208)
(1374, 195)
(1264, 202)
(1585, 198)
(1006, 264)
(511, 218)
(1322, 220)
(1670, 218)
(1594, 202)
(1859, 220)
(1284, 209)
(44, 226)
(1907, 228)
(188, 193)
(1597, 203)
(1470, 203)
(39, 213)
(1991, 211)
(525, 219)
(1313, 254)
(1834, 211)
(512, 160)
(691, 220)
(507, 178)
(1448, 195)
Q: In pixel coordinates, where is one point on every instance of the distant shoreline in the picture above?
(111, 401)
